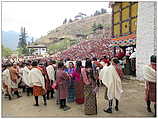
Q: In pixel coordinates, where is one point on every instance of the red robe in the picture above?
(61, 81)
(150, 91)
(46, 78)
(119, 70)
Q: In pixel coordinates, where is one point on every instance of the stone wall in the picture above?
(146, 35)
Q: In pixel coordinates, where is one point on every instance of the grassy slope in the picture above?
(68, 31)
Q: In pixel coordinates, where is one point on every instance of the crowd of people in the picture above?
(72, 81)
(90, 48)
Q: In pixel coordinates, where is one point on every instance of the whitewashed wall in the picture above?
(146, 35)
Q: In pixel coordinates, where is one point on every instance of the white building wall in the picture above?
(146, 35)
(43, 51)
(40, 51)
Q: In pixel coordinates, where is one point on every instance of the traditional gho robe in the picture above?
(51, 72)
(6, 81)
(25, 77)
(90, 101)
(112, 81)
(62, 86)
(46, 77)
(37, 82)
(150, 80)
(71, 87)
(79, 87)
(119, 70)
(14, 74)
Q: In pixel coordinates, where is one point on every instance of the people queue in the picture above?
(72, 81)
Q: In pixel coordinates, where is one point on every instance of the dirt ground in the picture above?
(132, 105)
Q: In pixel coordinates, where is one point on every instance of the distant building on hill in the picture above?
(38, 49)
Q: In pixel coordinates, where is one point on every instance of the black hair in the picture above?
(11, 64)
(87, 59)
(7, 64)
(115, 60)
(46, 64)
(153, 59)
(34, 63)
(88, 64)
(94, 59)
(49, 61)
(68, 59)
(78, 66)
(53, 62)
(105, 57)
(71, 62)
(21, 65)
(41, 63)
(60, 64)
(27, 63)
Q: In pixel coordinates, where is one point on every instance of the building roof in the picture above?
(37, 46)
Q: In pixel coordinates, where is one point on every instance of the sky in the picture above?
(40, 17)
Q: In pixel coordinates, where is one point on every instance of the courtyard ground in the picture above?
(132, 104)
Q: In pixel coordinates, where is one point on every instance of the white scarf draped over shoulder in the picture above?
(149, 73)
(51, 72)
(36, 78)
(112, 81)
(6, 78)
(25, 78)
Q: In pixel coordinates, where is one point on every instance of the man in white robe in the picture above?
(51, 75)
(112, 82)
(26, 79)
(6, 81)
(37, 82)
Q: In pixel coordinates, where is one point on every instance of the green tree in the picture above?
(65, 21)
(22, 44)
(19, 51)
(70, 20)
(31, 51)
(103, 11)
(6, 51)
(99, 26)
(97, 13)
(94, 27)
